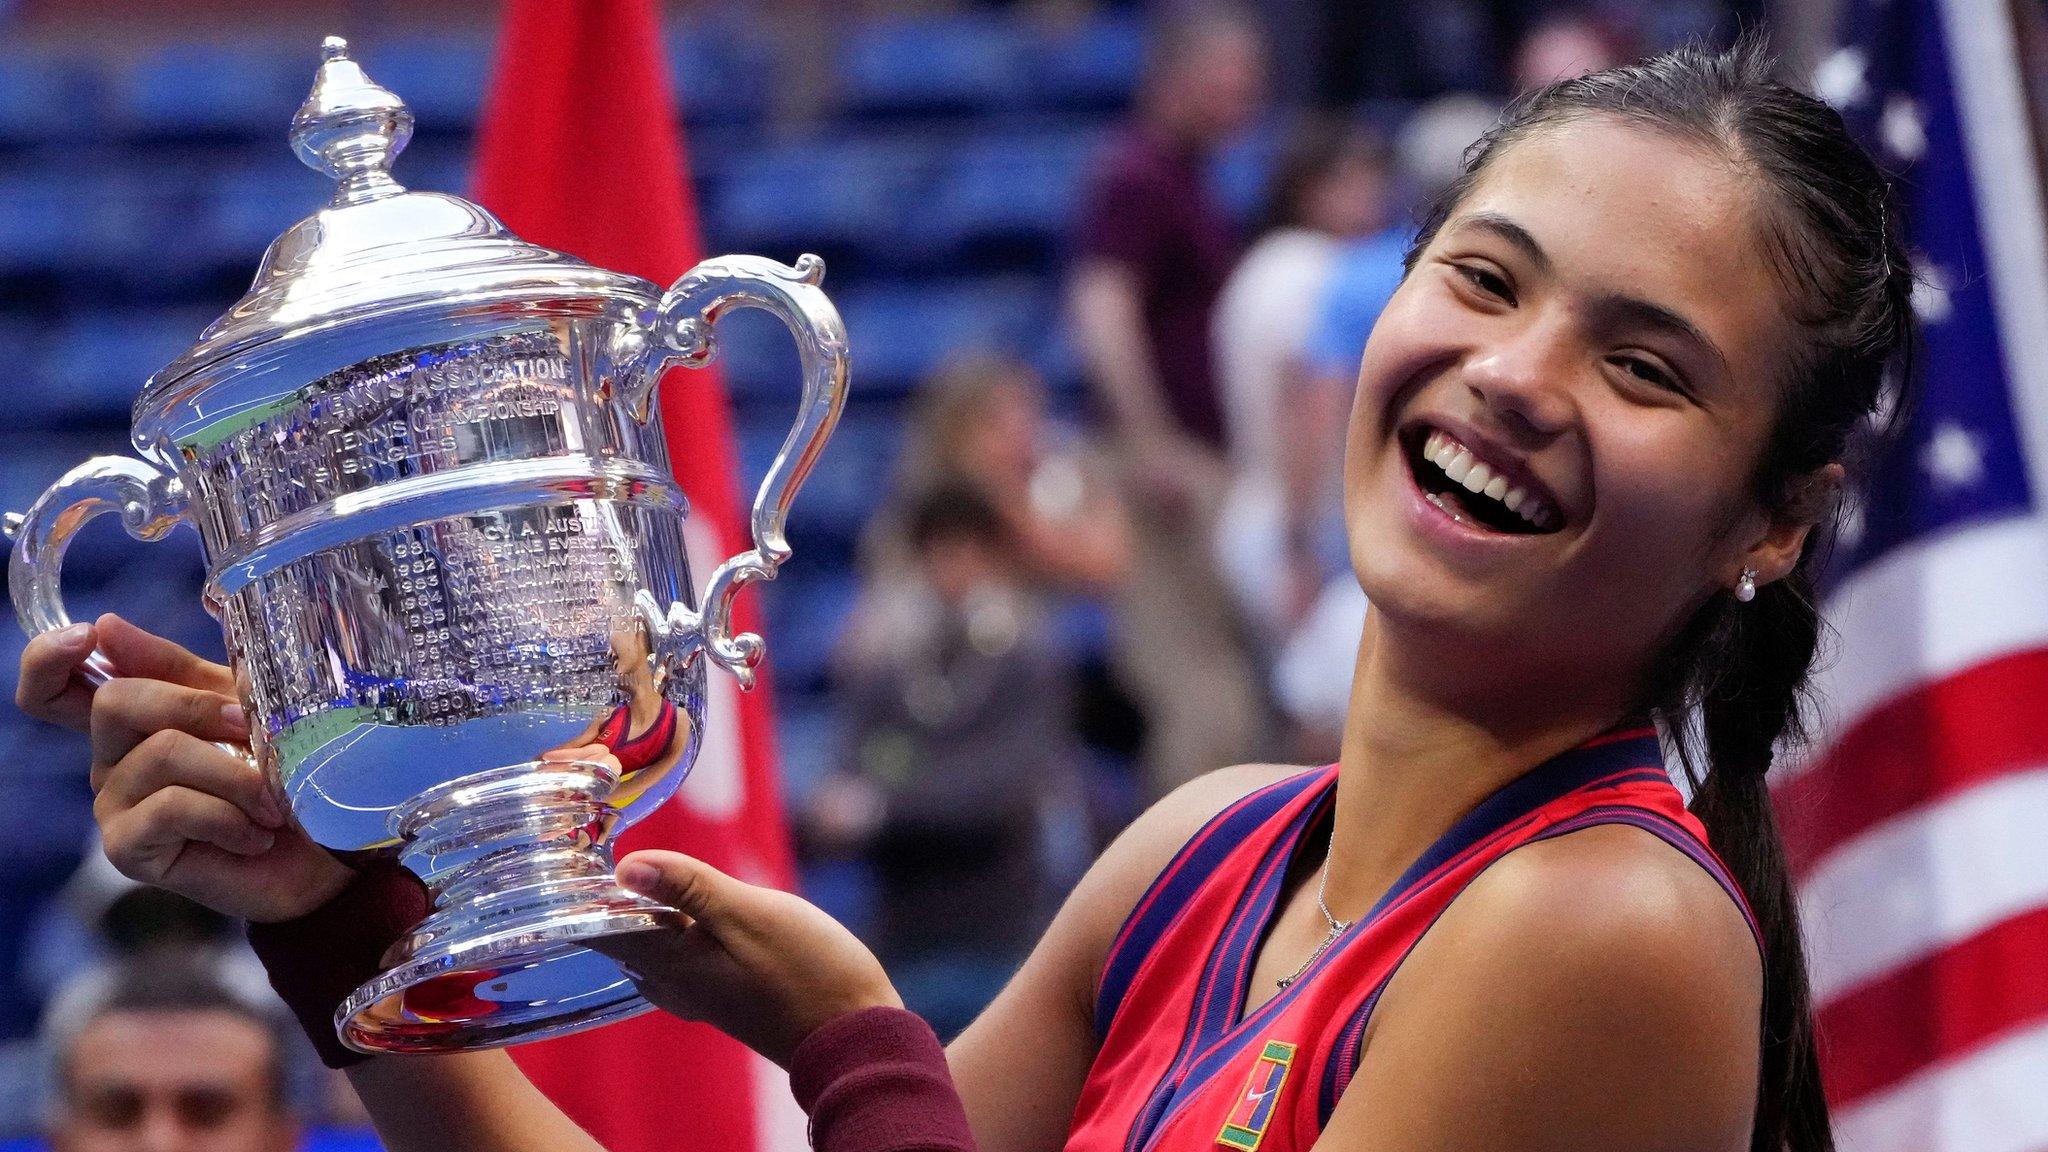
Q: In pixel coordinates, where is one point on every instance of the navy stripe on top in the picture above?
(1177, 883)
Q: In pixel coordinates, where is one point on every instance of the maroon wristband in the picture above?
(315, 961)
(876, 1081)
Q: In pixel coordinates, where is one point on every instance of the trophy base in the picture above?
(522, 880)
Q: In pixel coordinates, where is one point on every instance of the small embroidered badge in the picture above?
(1247, 1122)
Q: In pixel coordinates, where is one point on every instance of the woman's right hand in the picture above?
(174, 809)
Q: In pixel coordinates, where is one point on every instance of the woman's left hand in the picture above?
(765, 967)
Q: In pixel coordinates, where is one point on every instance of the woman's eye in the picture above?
(1486, 281)
(1649, 373)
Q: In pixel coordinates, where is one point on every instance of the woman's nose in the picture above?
(1525, 380)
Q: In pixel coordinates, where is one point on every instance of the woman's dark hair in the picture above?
(1733, 683)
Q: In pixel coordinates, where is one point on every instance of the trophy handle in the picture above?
(683, 329)
(150, 502)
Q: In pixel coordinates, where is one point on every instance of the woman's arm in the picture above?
(1019, 1067)
(1593, 991)
(774, 972)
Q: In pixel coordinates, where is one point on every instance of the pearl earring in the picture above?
(1745, 588)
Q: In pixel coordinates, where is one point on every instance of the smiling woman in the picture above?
(1667, 293)
(1589, 476)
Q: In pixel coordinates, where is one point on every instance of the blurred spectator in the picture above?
(103, 927)
(102, 921)
(961, 746)
(980, 421)
(1154, 248)
(1331, 185)
(1567, 44)
(1152, 253)
(1432, 142)
(165, 1057)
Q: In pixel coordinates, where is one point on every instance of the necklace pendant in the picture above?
(1337, 928)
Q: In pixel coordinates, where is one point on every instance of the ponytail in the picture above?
(1759, 654)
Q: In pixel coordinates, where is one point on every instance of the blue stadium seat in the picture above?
(154, 227)
(41, 217)
(932, 66)
(441, 77)
(841, 195)
(46, 97)
(1016, 190)
(252, 203)
(807, 608)
(1092, 67)
(720, 73)
(901, 331)
(214, 88)
(108, 216)
(92, 368)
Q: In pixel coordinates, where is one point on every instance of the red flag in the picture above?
(579, 151)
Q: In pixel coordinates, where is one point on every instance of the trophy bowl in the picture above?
(447, 553)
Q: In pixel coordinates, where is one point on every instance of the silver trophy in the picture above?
(446, 548)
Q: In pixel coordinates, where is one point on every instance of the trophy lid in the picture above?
(377, 258)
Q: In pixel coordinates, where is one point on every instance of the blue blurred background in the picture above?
(933, 153)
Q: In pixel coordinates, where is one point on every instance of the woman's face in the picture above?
(1597, 326)
(1350, 199)
(1004, 437)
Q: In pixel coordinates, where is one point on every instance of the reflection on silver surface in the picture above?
(445, 546)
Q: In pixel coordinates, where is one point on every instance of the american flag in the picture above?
(1918, 826)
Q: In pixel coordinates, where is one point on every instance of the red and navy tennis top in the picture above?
(637, 752)
(1179, 1070)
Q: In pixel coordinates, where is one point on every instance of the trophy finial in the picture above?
(351, 127)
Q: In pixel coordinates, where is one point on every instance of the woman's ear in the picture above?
(1808, 499)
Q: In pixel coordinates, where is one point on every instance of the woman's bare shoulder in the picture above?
(1602, 898)
(1143, 850)
(1598, 966)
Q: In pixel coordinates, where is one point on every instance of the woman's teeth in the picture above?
(1463, 468)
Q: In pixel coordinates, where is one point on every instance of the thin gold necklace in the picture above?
(1337, 927)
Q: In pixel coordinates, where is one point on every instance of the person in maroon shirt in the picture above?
(1152, 247)
(1151, 253)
